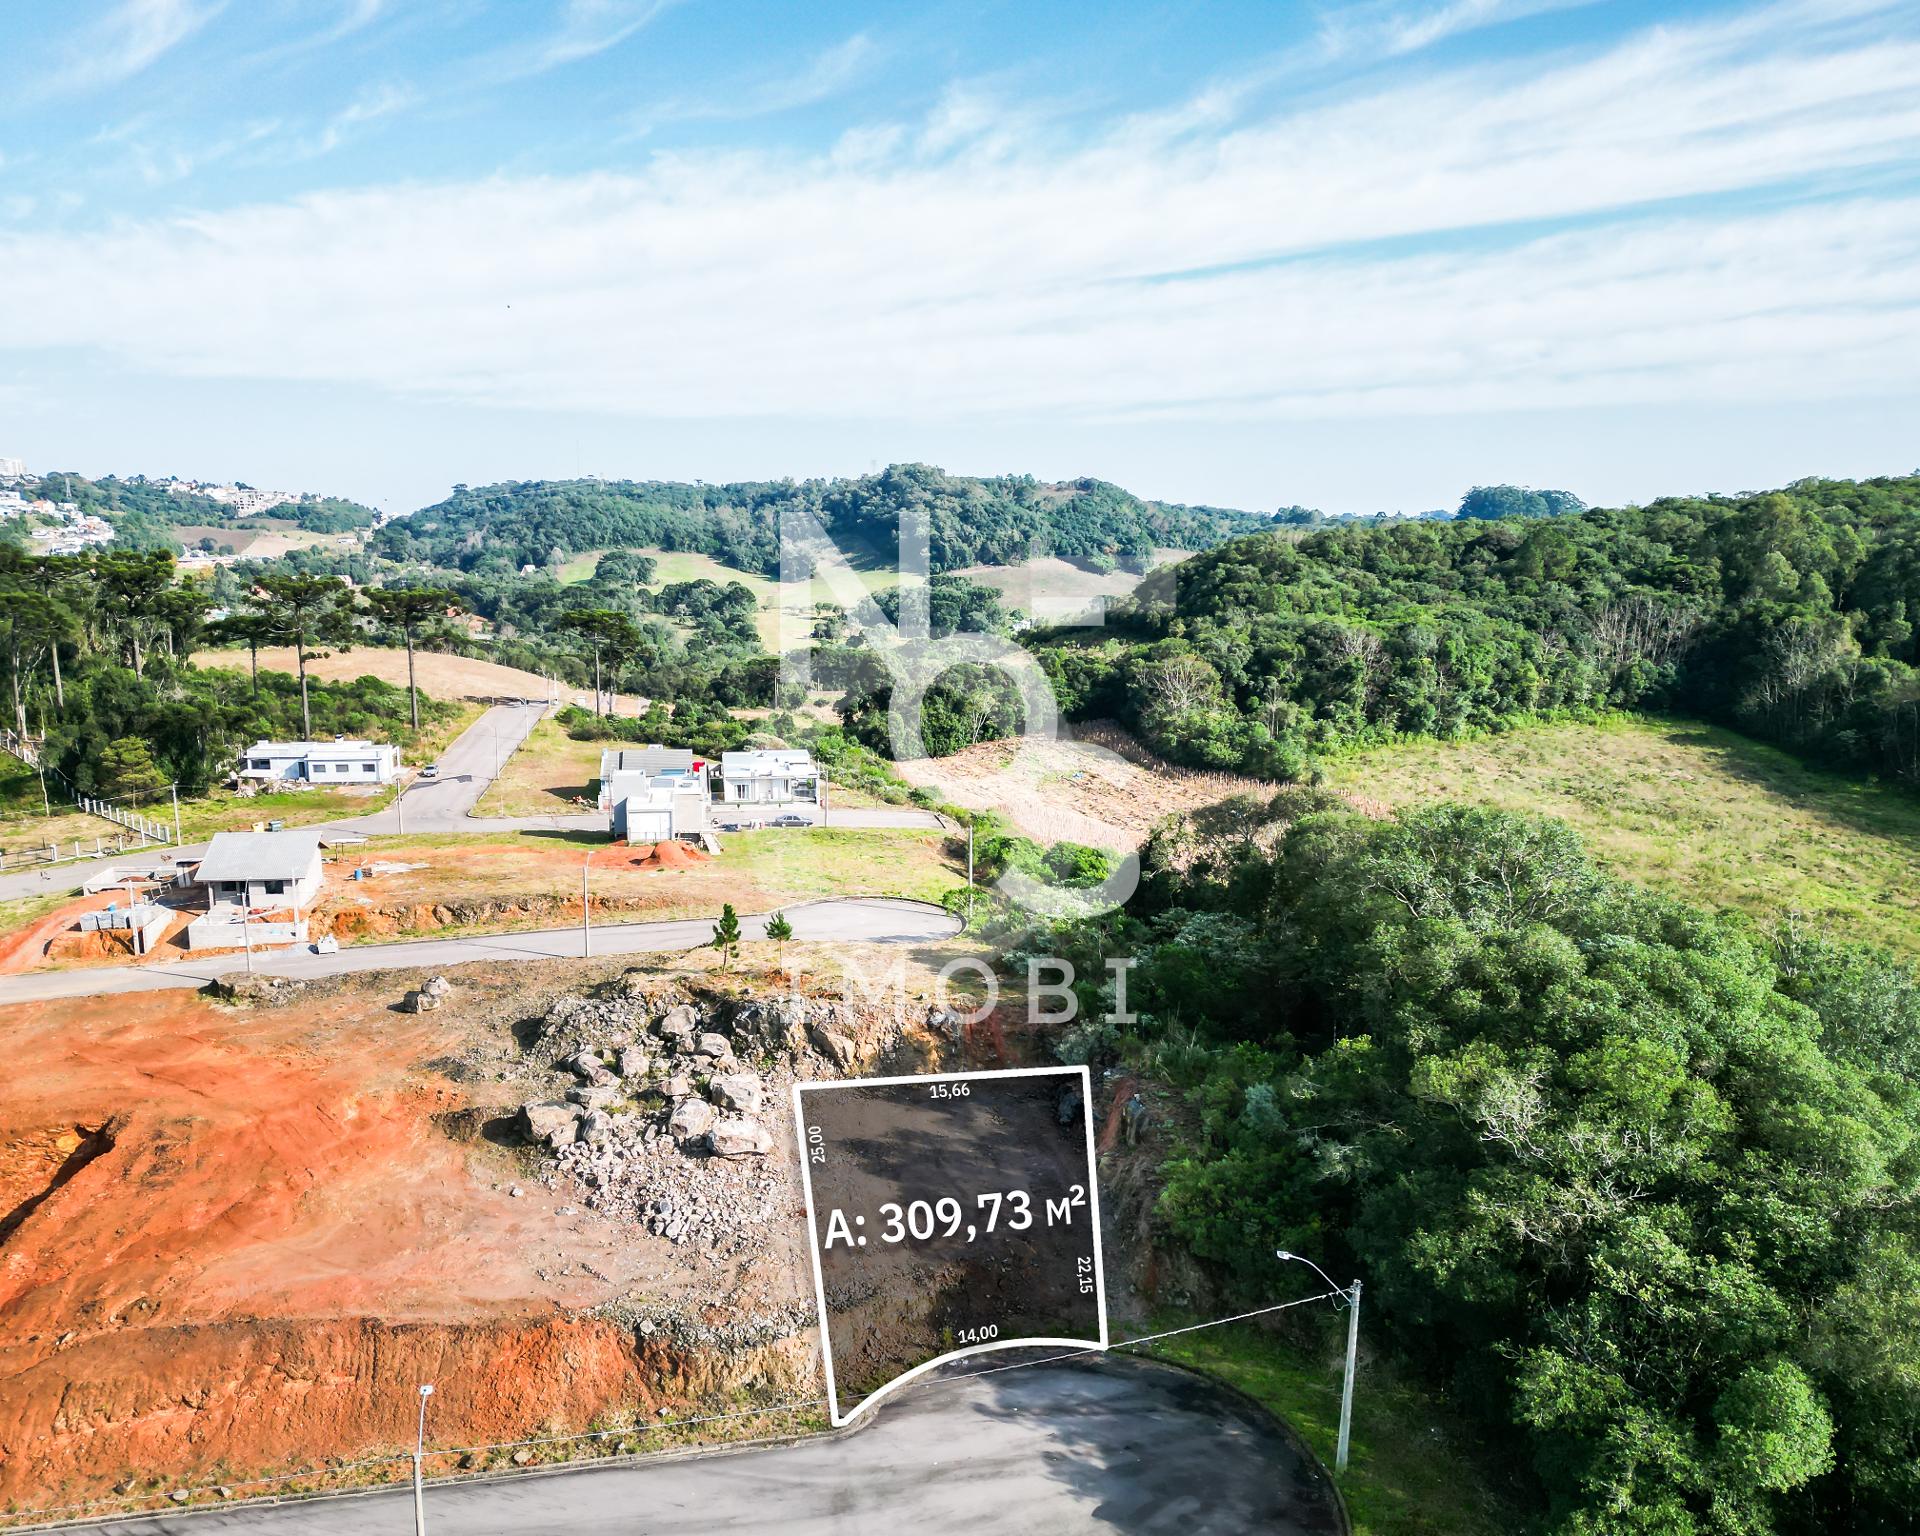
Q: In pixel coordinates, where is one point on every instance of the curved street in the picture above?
(1114, 1445)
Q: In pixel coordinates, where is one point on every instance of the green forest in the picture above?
(498, 529)
(97, 647)
(1789, 615)
(1633, 1186)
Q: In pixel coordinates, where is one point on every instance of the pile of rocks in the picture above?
(662, 1121)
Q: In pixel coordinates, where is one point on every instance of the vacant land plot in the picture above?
(496, 883)
(1693, 810)
(796, 599)
(1103, 788)
(550, 773)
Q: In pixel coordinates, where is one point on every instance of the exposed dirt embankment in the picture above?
(200, 1402)
(350, 922)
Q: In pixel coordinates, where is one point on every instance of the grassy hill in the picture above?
(1692, 810)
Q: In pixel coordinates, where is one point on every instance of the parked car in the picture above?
(792, 819)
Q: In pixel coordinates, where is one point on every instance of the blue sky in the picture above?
(1358, 256)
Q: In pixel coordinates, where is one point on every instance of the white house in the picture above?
(649, 808)
(779, 778)
(261, 869)
(322, 762)
(673, 764)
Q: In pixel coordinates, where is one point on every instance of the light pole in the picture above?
(1351, 1295)
(586, 909)
(419, 1450)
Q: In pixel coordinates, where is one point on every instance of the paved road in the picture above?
(467, 767)
(871, 920)
(1115, 1445)
(437, 805)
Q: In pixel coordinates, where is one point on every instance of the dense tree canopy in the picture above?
(1788, 615)
(501, 528)
(1639, 1186)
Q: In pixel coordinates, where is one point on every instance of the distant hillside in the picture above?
(144, 512)
(970, 521)
(1789, 615)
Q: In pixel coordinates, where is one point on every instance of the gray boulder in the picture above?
(679, 1086)
(587, 1067)
(737, 1136)
(737, 1091)
(437, 986)
(691, 1120)
(420, 1002)
(556, 1125)
(594, 1095)
(632, 1062)
(679, 1023)
(837, 1048)
(595, 1126)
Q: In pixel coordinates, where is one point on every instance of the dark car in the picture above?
(791, 819)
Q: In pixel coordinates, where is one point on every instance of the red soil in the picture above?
(668, 855)
(24, 950)
(229, 1239)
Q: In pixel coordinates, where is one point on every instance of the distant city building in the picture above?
(13, 469)
(322, 762)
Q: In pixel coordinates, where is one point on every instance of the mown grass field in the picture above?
(545, 774)
(1693, 810)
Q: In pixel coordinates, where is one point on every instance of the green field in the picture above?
(546, 775)
(799, 598)
(1692, 810)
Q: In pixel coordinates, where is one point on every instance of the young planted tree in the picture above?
(305, 608)
(406, 609)
(726, 936)
(780, 931)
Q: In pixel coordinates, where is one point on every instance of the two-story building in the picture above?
(771, 781)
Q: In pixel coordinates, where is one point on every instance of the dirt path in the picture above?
(443, 676)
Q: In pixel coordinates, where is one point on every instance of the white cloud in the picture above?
(588, 27)
(1382, 254)
(126, 40)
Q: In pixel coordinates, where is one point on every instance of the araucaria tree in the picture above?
(306, 609)
(406, 609)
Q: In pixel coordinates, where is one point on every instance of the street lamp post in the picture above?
(419, 1452)
(1351, 1296)
(586, 909)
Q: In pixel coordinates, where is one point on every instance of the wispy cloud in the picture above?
(1391, 28)
(827, 74)
(1499, 236)
(125, 41)
(588, 27)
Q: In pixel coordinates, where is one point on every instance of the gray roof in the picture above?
(645, 760)
(259, 856)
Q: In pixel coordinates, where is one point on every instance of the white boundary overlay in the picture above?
(841, 1420)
